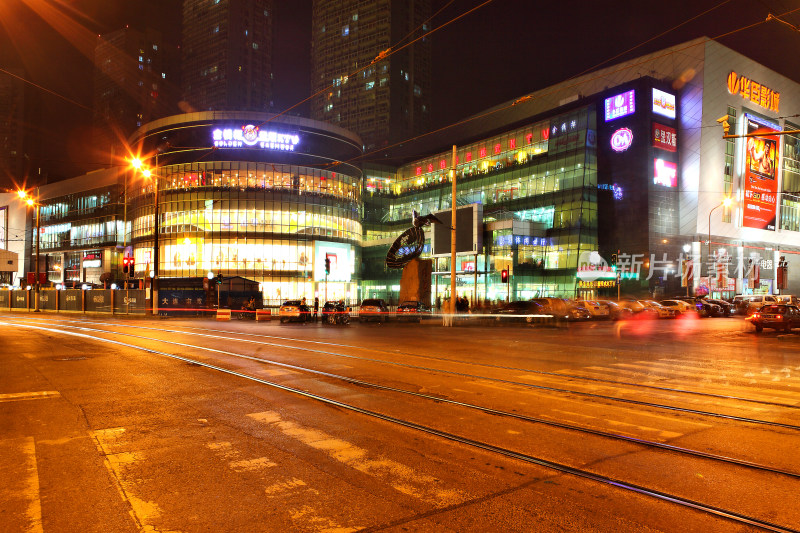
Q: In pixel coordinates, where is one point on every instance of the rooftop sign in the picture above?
(252, 136)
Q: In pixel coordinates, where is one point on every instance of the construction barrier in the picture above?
(223, 314)
(263, 314)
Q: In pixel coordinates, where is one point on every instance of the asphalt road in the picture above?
(196, 425)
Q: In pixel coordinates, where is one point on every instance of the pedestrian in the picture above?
(316, 308)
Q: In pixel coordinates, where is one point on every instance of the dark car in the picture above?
(781, 317)
(294, 311)
(728, 308)
(705, 308)
(519, 311)
(413, 310)
(373, 309)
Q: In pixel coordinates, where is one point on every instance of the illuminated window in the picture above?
(369, 85)
(345, 30)
(255, 46)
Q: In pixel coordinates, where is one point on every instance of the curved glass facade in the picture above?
(271, 216)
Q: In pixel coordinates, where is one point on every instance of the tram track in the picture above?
(528, 458)
(672, 390)
(628, 401)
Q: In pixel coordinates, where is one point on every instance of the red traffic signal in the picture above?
(504, 275)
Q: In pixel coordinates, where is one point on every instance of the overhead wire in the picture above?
(532, 96)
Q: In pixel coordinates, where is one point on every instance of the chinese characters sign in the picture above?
(665, 138)
(755, 92)
(663, 103)
(252, 136)
(760, 175)
(620, 105)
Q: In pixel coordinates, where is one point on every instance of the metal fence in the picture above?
(121, 302)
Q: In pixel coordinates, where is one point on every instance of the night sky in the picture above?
(502, 51)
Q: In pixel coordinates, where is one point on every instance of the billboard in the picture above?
(342, 258)
(760, 175)
(665, 138)
(469, 231)
(665, 173)
(663, 103)
(620, 105)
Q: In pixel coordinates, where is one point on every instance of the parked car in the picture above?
(781, 317)
(413, 310)
(788, 299)
(656, 310)
(577, 312)
(294, 311)
(553, 306)
(680, 307)
(373, 309)
(755, 302)
(634, 305)
(597, 309)
(335, 312)
(704, 308)
(616, 311)
(727, 307)
(519, 311)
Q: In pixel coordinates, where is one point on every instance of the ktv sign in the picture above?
(252, 136)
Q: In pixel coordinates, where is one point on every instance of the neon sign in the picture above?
(754, 91)
(252, 136)
(665, 137)
(663, 103)
(621, 140)
(665, 173)
(620, 105)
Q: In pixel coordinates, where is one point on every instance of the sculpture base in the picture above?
(415, 283)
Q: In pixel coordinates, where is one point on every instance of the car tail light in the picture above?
(779, 317)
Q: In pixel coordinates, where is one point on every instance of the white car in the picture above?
(660, 310)
(597, 309)
(679, 306)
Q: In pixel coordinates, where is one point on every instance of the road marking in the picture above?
(13, 397)
(233, 456)
(401, 477)
(285, 486)
(20, 487)
(308, 516)
(144, 513)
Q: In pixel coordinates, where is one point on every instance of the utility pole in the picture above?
(452, 307)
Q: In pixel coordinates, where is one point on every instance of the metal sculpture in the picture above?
(409, 244)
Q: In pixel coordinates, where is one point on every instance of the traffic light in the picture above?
(127, 266)
(504, 275)
(124, 265)
(219, 278)
(327, 265)
(131, 265)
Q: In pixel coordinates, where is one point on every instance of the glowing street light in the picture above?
(23, 195)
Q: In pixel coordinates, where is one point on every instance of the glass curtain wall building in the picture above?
(269, 201)
(537, 184)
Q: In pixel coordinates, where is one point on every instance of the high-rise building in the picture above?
(227, 55)
(384, 100)
(133, 84)
(20, 142)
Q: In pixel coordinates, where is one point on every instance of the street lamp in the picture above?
(147, 173)
(726, 203)
(23, 195)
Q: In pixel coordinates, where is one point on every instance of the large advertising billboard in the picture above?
(341, 257)
(760, 176)
(469, 231)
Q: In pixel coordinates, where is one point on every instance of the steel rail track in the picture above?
(585, 474)
(488, 410)
(472, 363)
(504, 381)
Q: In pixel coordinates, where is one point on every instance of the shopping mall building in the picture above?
(613, 174)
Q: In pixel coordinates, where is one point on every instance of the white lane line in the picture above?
(13, 397)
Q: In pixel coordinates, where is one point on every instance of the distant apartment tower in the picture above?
(227, 55)
(389, 100)
(133, 85)
(21, 131)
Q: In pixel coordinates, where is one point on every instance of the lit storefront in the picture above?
(269, 202)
